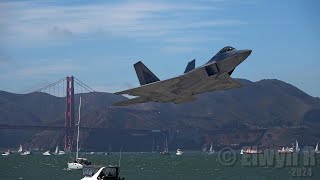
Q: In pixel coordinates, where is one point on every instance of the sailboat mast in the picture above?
(77, 155)
(167, 144)
(152, 145)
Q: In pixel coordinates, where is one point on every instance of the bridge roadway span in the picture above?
(133, 131)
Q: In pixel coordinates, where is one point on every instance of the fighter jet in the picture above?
(213, 75)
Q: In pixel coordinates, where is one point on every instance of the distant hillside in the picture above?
(287, 112)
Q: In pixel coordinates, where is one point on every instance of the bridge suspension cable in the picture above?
(50, 85)
(56, 87)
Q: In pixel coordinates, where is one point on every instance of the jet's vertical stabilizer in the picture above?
(191, 65)
(145, 76)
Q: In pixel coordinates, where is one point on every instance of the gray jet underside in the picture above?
(214, 75)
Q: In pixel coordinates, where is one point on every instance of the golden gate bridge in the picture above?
(69, 86)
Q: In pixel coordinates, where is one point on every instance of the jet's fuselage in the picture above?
(213, 75)
(223, 62)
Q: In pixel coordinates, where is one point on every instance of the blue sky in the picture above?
(43, 41)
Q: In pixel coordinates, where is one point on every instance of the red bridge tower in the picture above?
(69, 115)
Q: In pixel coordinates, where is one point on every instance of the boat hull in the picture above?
(61, 153)
(47, 153)
(75, 166)
(26, 153)
(179, 153)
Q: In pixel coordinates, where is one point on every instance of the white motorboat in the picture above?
(78, 163)
(179, 152)
(25, 153)
(47, 153)
(6, 153)
(103, 173)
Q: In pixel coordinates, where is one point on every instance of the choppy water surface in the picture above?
(144, 166)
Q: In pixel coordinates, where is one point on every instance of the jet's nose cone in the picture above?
(245, 53)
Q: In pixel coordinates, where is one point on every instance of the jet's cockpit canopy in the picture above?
(225, 49)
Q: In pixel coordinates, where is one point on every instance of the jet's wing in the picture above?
(132, 101)
(221, 82)
(227, 82)
(159, 87)
(185, 100)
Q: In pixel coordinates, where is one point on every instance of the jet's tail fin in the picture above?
(145, 76)
(191, 65)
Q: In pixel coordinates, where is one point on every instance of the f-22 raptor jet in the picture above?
(213, 75)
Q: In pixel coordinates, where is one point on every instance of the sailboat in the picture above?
(152, 149)
(20, 149)
(109, 150)
(166, 149)
(316, 150)
(211, 151)
(78, 163)
(57, 152)
(25, 153)
(297, 147)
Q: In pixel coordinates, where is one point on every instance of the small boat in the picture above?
(102, 173)
(25, 153)
(179, 152)
(78, 163)
(241, 151)
(204, 149)
(61, 153)
(20, 149)
(250, 151)
(211, 151)
(286, 150)
(47, 153)
(6, 153)
(165, 152)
